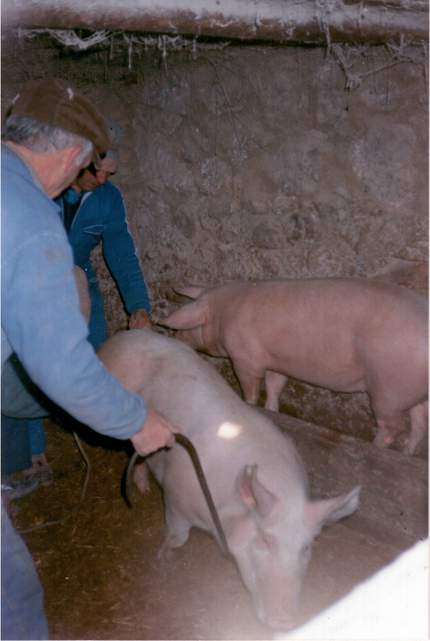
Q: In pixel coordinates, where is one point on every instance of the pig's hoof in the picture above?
(382, 439)
(141, 477)
(165, 552)
(176, 536)
(272, 407)
(410, 446)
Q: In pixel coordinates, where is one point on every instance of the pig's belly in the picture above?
(344, 377)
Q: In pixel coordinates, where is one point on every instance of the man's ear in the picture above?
(67, 158)
(75, 155)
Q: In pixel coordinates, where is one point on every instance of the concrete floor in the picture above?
(99, 564)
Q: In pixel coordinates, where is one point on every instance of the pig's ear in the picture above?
(190, 291)
(326, 511)
(187, 317)
(253, 493)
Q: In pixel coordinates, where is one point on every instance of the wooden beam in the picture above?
(394, 496)
(304, 21)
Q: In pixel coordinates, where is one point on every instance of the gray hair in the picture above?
(40, 137)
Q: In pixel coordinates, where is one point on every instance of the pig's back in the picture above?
(226, 432)
(179, 383)
(323, 331)
(318, 300)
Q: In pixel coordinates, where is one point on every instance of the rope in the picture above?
(187, 445)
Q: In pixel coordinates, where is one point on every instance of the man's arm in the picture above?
(43, 323)
(120, 253)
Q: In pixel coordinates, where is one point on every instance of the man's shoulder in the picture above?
(103, 199)
(14, 168)
(22, 195)
(108, 190)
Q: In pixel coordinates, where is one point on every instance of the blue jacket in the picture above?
(101, 217)
(41, 320)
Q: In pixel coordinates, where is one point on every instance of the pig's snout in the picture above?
(282, 619)
(279, 614)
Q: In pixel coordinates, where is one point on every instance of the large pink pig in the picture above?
(348, 335)
(253, 470)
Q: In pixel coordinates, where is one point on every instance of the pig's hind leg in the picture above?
(419, 424)
(389, 414)
(391, 423)
(389, 427)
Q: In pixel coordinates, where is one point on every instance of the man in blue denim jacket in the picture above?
(93, 212)
(51, 133)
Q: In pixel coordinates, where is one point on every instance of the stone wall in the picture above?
(257, 162)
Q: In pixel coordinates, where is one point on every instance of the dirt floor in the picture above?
(98, 559)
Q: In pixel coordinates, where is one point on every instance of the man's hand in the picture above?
(139, 320)
(155, 433)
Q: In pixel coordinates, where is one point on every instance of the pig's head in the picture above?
(193, 321)
(272, 540)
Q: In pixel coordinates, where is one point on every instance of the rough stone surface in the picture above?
(257, 162)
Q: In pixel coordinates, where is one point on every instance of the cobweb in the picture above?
(69, 38)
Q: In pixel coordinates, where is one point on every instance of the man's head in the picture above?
(55, 103)
(91, 177)
(56, 130)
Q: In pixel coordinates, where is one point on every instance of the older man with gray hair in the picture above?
(51, 133)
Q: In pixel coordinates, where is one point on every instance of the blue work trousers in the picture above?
(22, 612)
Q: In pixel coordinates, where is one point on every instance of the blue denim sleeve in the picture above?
(45, 328)
(120, 253)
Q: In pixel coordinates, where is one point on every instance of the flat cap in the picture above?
(56, 103)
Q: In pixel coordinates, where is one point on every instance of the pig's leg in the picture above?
(419, 423)
(389, 427)
(177, 531)
(274, 385)
(249, 379)
(141, 477)
(177, 528)
(390, 420)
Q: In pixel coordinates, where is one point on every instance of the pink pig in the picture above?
(348, 335)
(256, 477)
